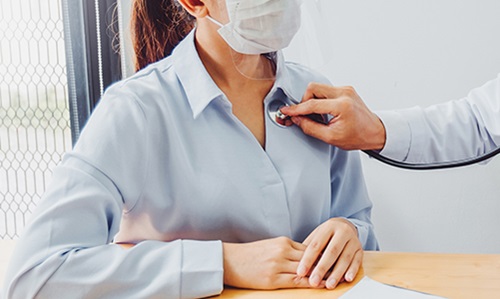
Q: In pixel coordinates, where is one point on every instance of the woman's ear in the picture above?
(196, 8)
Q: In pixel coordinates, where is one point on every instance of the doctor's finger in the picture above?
(322, 91)
(320, 131)
(312, 106)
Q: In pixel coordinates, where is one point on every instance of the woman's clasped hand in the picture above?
(332, 253)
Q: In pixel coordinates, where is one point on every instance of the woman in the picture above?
(181, 161)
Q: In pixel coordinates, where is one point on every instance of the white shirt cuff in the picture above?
(202, 269)
(398, 135)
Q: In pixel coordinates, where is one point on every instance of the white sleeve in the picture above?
(451, 131)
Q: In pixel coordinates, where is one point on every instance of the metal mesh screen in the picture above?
(34, 116)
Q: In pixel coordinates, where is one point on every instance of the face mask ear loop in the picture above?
(215, 21)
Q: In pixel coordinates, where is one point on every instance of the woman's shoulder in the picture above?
(148, 81)
(301, 72)
(298, 78)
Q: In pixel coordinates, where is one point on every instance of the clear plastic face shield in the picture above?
(256, 30)
(311, 44)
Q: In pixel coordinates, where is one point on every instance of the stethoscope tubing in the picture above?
(432, 166)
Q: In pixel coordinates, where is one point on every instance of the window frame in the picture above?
(91, 31)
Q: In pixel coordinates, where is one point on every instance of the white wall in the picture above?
(400, 53)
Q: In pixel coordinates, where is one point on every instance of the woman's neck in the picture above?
(244, 79)
(229, 69)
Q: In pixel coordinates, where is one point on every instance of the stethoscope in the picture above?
(280, 119)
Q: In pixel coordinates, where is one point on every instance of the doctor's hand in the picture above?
(353, 125)
(266, 264)
(334, 254)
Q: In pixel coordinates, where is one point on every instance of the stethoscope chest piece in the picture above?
(275, 114)
(284, 121)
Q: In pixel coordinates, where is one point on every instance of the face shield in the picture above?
(256, 29)
(309, 46)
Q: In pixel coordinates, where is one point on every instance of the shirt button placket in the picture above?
(275, 204)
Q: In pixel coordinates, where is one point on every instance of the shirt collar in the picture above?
(200, 88)
(284, 80)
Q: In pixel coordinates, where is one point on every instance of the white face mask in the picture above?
(260, 26)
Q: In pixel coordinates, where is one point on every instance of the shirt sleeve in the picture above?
(350, 198)
(398, 135)
(66, 251)
(451, 131)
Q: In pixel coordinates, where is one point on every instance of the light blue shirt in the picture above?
(163, 162)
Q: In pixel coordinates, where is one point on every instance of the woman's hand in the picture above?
(266, 264)
(334, 244)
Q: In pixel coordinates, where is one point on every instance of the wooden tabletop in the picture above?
(448, 275)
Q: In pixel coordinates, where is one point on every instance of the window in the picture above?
(56, 58)
(34, 116)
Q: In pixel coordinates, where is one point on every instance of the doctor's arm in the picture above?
(450, 131)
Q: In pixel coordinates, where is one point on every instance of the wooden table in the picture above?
(448, 275)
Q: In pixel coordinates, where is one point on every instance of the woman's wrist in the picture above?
(227, 257)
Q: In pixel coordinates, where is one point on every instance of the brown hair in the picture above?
(157, 27)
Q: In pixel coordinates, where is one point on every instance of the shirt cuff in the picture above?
(202, 269)
(365, 234)
(398, 135)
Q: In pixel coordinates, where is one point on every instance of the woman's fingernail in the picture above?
(330, 284)
(315, 280)
(301, 271)
(349, 277)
